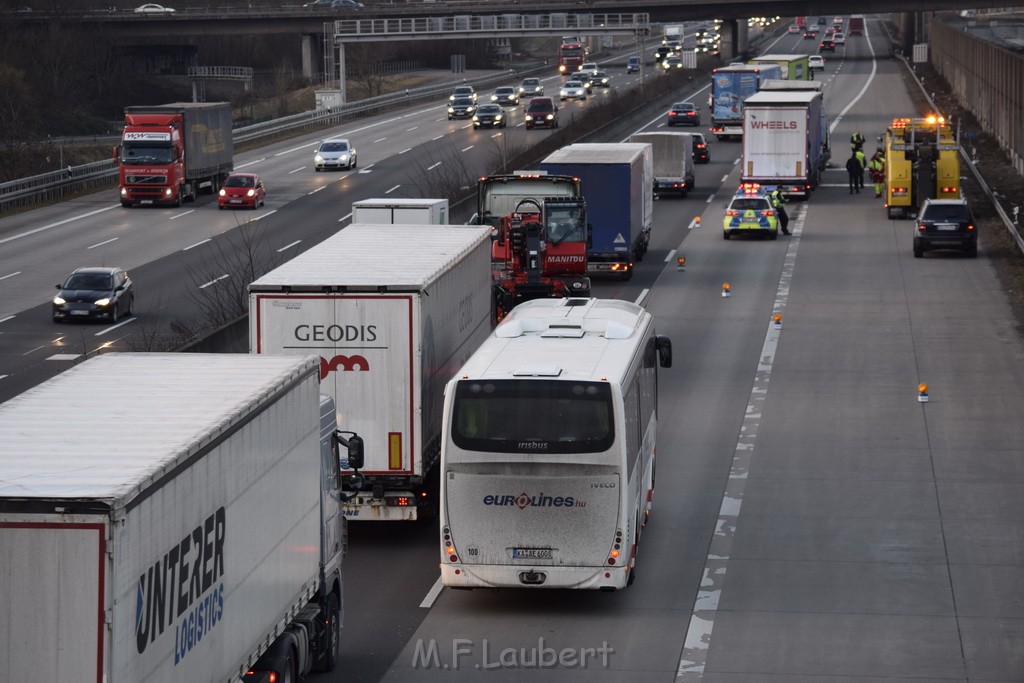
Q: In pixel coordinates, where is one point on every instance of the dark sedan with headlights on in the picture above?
(489, 116)
(88, 293)
(461, 108)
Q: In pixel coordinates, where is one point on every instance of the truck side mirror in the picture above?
(355, 452)
(117, 153)
(664, 346)
(590, 235)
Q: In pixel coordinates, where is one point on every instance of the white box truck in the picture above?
(673, 161)
(785, 141)
(403, 211)
(392, 311)
(168, 518)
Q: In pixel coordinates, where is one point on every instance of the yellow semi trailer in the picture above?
(922, 161)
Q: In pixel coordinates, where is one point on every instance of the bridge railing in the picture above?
(513, 24)
(69, 181)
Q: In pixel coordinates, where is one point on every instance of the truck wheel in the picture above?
(329, 662)
(177, 200)
(288, 673)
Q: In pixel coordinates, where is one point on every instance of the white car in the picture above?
(839, 38)
(334, 153)
(589, 68)
(572, 90)
(815, 62)
(794, 28)
(153, 8)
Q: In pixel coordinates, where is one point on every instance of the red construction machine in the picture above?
(540, 251)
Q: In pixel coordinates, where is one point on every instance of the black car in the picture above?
(506, 95)
(461, 108)
(810, 34)
(489, 116)
(945, 224)
(683, 113)
(601, 79)
(827, 45)
(105, 293)
(701, 153)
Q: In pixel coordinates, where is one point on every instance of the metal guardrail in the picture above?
(69, 181)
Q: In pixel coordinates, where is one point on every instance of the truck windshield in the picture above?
(565, 224)
(147, 153)
(533, 416)
(572, 51)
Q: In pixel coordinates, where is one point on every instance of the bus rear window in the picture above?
(533, 416)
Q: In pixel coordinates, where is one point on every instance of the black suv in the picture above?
(827, 45)
(945, 224)
(701, 153)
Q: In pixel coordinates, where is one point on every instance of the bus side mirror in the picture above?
(664, 346)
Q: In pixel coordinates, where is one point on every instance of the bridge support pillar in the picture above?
(908, 34)
(308, 55)
(734, 38)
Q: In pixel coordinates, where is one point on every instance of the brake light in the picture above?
(398, 501)
(732, 212)
(921, 227)
(899, 192)
(768, 213)
(948, 190)
(701, 145)
(970, 227)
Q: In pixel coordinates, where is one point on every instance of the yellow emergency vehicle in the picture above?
(922, 161)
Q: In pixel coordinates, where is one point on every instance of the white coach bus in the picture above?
(548, 446)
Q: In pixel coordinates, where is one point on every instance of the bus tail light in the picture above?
(616, 550)
(449, 546)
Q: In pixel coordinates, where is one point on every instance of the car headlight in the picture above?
(58, 300)
(250, 193)
(529, 117)
(497, 117)
(342, 157)
(494, 98)
(451, 110)
(124, 191)
(168, 192)
(551, 117)
(318, 158)
(223, 192)
(105, 301)
(451, 98)
(475, 119)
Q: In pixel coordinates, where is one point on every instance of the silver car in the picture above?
(335, 153)
(572, 90)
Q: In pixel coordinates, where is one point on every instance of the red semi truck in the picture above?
(169, 152)
(856, 25)
(571, 56)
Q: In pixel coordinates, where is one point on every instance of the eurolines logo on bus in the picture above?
(182, 590)
(525, 500)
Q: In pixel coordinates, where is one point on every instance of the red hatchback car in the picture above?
(242, 190)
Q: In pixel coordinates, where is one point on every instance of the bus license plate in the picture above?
(531, 553)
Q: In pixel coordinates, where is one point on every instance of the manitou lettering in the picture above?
(346, 363)
(172, 584)
(566, 259)
(525, 500)
(774, 125)
(336, 333)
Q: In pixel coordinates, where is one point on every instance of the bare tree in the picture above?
(364, 68)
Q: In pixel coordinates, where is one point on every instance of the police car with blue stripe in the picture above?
(751, 213)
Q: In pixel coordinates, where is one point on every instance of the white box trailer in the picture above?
(673, 161)
(392, 311)
(160, 516)
(403, 211)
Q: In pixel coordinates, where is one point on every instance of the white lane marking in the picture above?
(193, 246)
(345, 217)
(3, 320)
(408, 149)
(114, 327)
(437, 138)
(670, 255)
(367, 168)
(57, 224)
(213, 281)
(316, 190)
(409, 130)
(695, 223)
(272, 211)
(2, 376)
(867, 84)
(497, 135)
(184, 213)
(643, 295)
(379, 140)
(62, 356)
(710, 198)
(17, 272)
(725, 177)
(468, 148)
(98, 244)
(250, 163)
(392, 189)
(735, 161)
(288, 246)
(432, 594)
(44, 346)
(705, 607)
(431, 168)
(340, 135)
(300, 168)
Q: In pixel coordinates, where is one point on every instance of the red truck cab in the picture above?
(169, 153)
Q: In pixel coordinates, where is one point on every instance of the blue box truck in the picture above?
(730, 87)
(618, 181)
